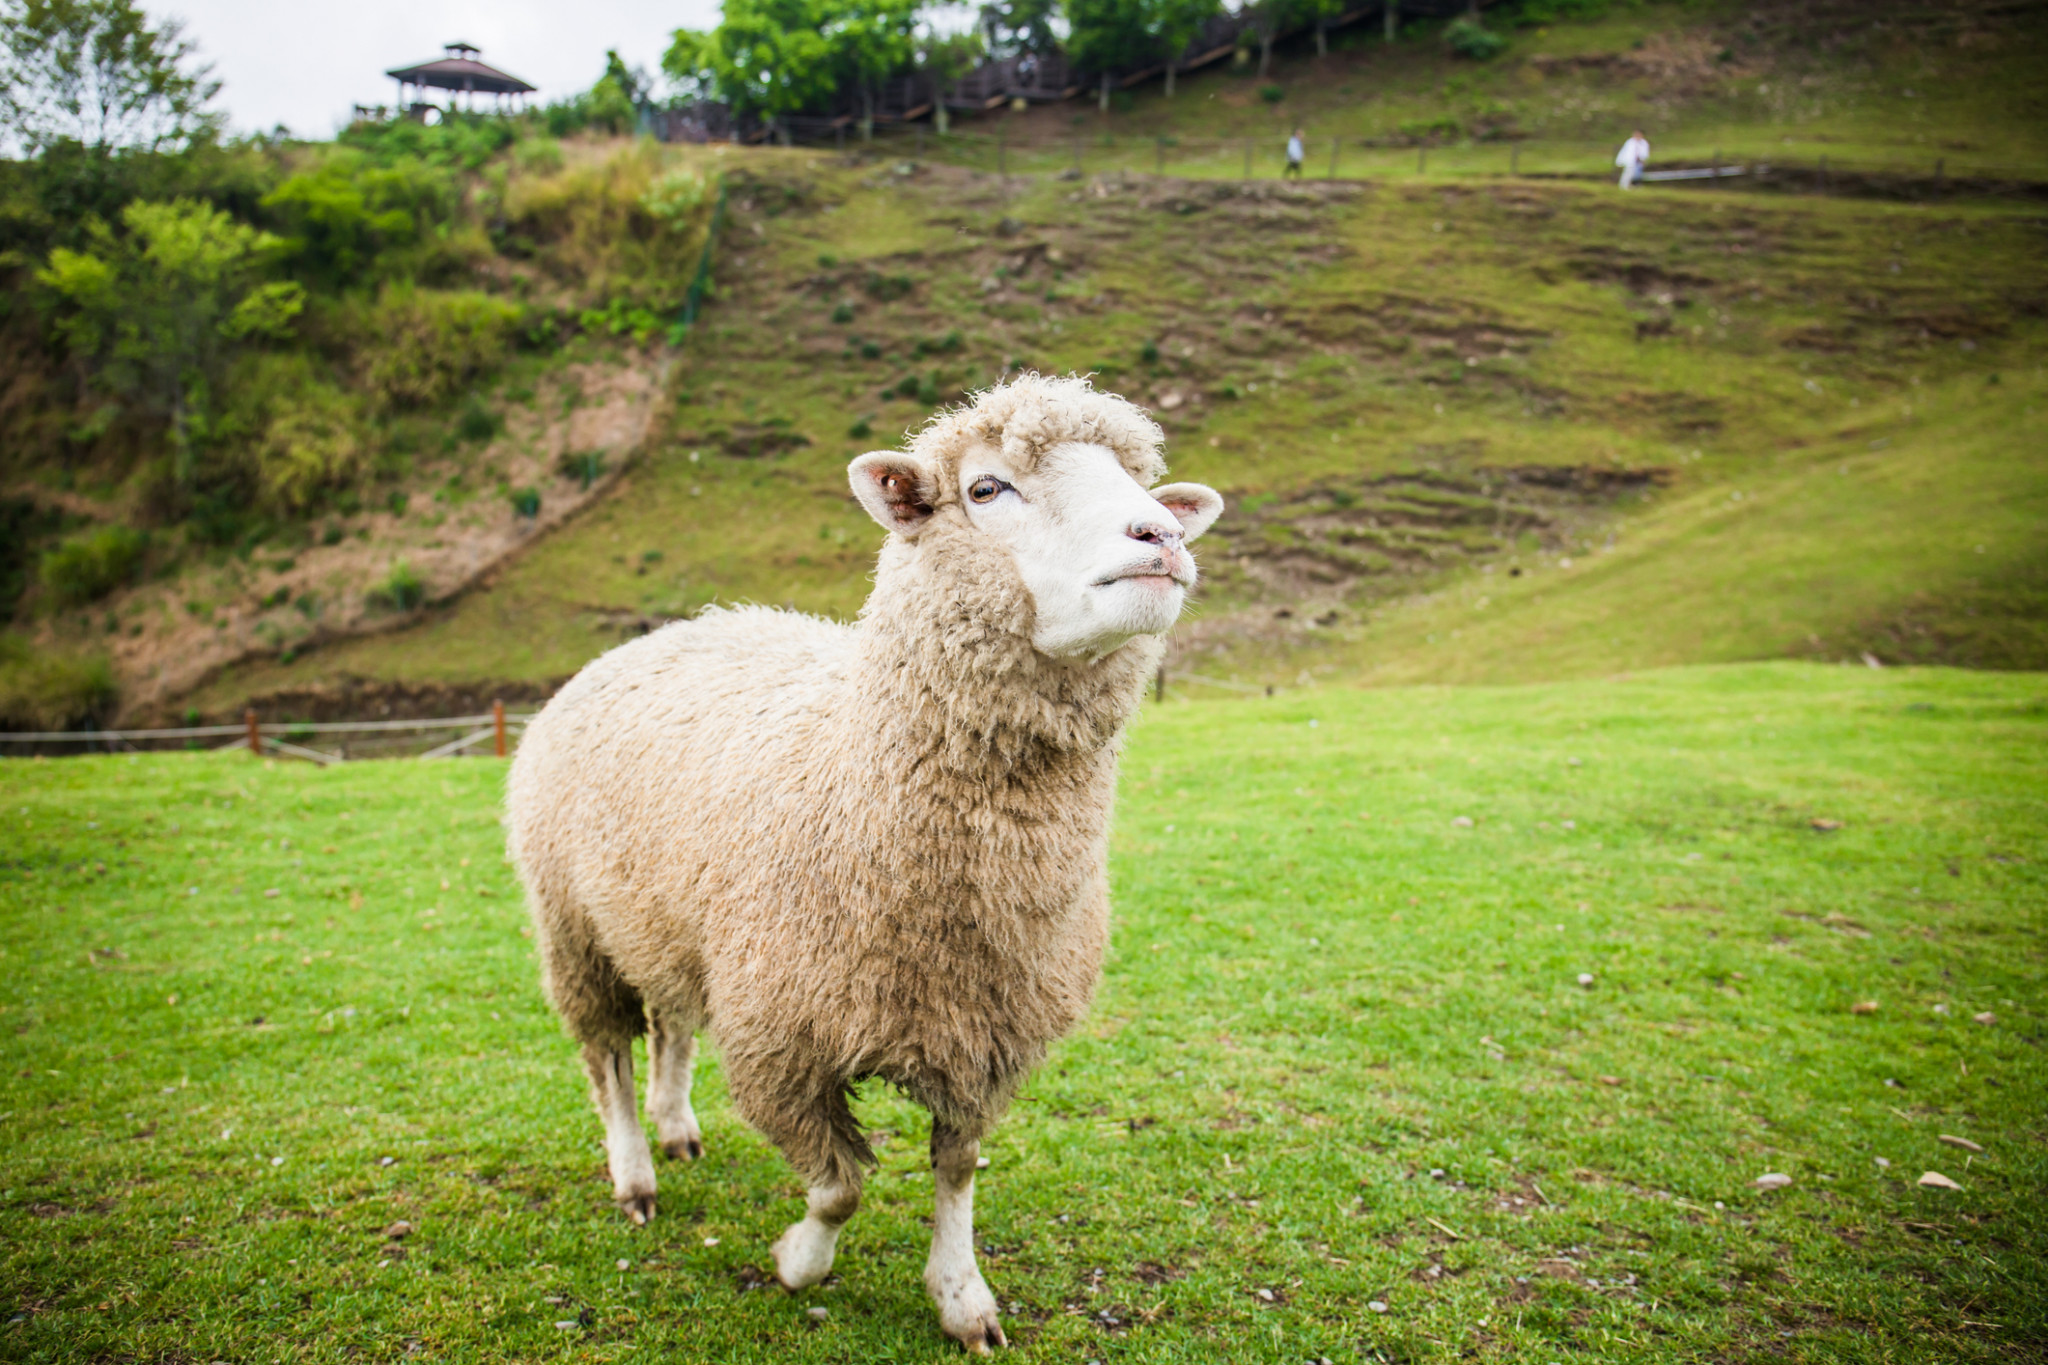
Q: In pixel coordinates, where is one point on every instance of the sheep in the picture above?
(866, 851)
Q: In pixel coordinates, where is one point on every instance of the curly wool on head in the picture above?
(1033, 413)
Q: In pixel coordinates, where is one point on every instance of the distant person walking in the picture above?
(1634, 154)
(1297, 150)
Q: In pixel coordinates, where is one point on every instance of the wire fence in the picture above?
(495, 731)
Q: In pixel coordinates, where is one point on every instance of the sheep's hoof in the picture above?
(968, 1315)
(991, 1336)
(803, 1254)
(638, 1207)
(689, 1148)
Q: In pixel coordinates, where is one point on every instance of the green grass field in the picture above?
(1342, 1094)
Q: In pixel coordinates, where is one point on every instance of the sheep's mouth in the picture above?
(1152, 569)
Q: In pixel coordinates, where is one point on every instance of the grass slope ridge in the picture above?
(1341, 1060)
(1398, 387)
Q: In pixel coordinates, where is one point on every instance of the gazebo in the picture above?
(457, 70)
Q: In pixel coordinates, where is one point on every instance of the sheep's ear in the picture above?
(1196, 506)
(897, 489)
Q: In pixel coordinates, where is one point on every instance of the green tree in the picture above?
(767, 59)
(869, 41)
(1108, 36)
(157, 312)
(1010, 28)
(945, 58)
(97, 73)
(1174, 24)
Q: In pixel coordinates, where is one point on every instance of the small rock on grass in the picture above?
(625, 1264)
(1935, 1180)
(398, 1230)
(1462, 822)
(1987, 1018)
(1773, 1180)
(1827, 826)
(1610, 1080)
(1586, 980)
(1376, 1306)
(1952, 1140)
(818, 1314)
(1864, 1007)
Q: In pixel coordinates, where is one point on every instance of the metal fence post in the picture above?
(498, 726)
(255, 733)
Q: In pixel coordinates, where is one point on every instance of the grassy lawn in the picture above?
(1342, 1093)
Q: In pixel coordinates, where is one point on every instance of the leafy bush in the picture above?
(88, 567)
(861, 430)
(420, 345)
(526, 502)
(401, 590)
(612, 229)
(1469, 38)
(676, 197)
(289, 434)
(843, 314)
(43, 689)
(478, 423)
(585, 468)
(1272, 94)
(538, 156)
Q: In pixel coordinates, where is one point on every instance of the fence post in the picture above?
(1717, 163)
(1002, 151)
(255, 733)
(839, 137)
(1159, 156)
(1421, 160)
(498, 726)
(1335, 144)
(1077, 155)
(1247, 158)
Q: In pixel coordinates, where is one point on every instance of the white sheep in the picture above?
(875, 850)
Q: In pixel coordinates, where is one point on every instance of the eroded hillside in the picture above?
(1403, 389)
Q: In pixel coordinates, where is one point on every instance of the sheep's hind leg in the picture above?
(671, 1051)
(625, 1143)
(803, 1253)
(967, 1310)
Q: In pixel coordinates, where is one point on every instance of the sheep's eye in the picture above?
(985, 489)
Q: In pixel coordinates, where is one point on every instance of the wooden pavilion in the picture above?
(457, 71)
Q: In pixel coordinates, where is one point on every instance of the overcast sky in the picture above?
(304, 63)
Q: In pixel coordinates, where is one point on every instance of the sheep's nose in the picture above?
(1154, 532)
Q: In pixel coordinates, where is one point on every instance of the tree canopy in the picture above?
(97, 73)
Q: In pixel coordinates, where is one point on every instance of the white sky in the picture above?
(304, 63)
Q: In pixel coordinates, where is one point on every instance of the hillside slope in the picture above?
(1402, 387)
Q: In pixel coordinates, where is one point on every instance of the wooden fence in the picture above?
(283, 738)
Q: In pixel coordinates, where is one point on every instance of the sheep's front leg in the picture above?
(625, 1144)
(803, 1253)
(671, 1051)
(967, 1310)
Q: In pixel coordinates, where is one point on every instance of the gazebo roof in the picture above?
(459, 70)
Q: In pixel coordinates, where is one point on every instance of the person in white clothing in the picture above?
(1633, 154)
(1296, 151)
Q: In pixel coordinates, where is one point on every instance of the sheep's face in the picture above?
(1104, 559)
